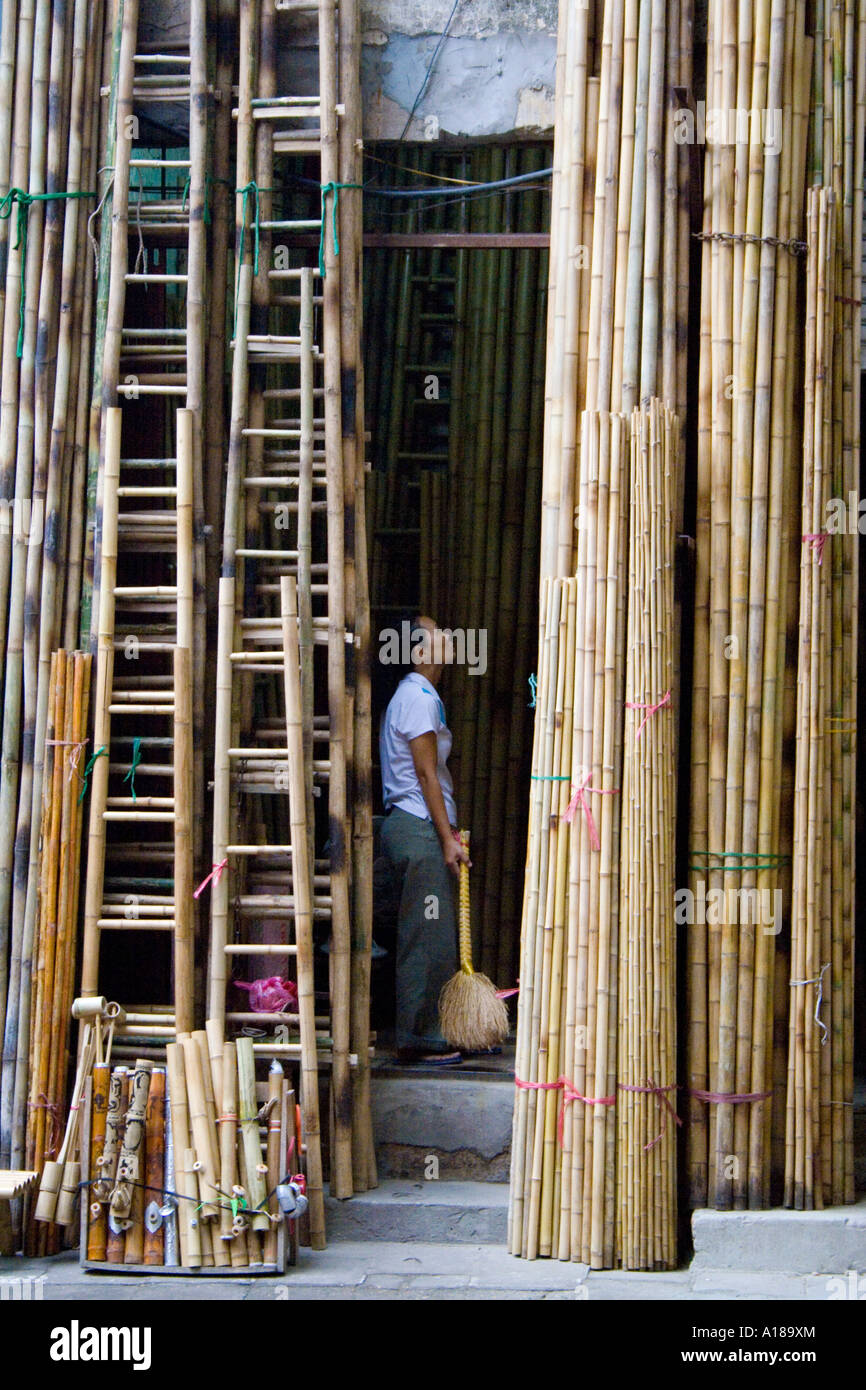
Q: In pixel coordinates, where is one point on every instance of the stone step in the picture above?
(798, 1242)
(462, 1119)
(469, 1213)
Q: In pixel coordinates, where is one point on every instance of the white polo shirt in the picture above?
(415, 709)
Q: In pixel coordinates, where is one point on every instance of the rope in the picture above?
(533, 690)
(326, 188)
(792, 246)
(819, 981)
(25, 201)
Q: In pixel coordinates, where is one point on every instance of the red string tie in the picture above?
(651, 1089)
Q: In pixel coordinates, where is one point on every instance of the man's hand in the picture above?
(454, 854)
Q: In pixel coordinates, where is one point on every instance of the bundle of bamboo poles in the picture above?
(185, 1161)
(48, 974)
(819, 1155)
(646, 1230)
(748, 566)
(48, 154)
(565, 1071)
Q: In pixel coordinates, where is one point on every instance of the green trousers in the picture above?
(426, 928)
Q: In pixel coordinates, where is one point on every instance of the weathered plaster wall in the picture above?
(494, 74)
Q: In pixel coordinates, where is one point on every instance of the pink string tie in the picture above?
(579, 799)
(816, 540)
(650, 710)
(216, 874)
(571, 1094)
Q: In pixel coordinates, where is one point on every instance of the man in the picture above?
(419, 837)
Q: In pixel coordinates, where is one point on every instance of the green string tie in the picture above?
(548, 777)
(755, 861)
(25, 201)
(331, 187)
(533, 690)
(85, 778)
(136, 759)
(251, 187)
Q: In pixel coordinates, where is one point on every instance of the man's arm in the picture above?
(425, 756)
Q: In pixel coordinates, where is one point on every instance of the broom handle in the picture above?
(463, 915)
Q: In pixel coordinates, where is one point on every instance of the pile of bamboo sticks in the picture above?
(49, 972)
(184, 1164)
(562, 1197)
(48, 152)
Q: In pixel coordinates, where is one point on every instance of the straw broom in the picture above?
(471, 1015)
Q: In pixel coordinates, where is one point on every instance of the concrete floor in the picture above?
(384, 1270)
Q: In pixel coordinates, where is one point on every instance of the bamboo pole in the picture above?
(339, 959)
(248, 1110)
(303, 913)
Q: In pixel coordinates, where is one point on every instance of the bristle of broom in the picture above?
(471, 1015)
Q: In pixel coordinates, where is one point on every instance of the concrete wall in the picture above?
(494, 74)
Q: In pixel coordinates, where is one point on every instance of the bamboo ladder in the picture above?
(137, 881)
(281, 470)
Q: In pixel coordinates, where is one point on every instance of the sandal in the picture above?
(429, 1059)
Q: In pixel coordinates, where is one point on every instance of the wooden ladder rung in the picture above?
(234, 949)
(259, 849)
(148, 492)
(147, 591)
(139, 815)
(131, 924)
(159, 164)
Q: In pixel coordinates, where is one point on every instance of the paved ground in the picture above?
(381, 1270)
